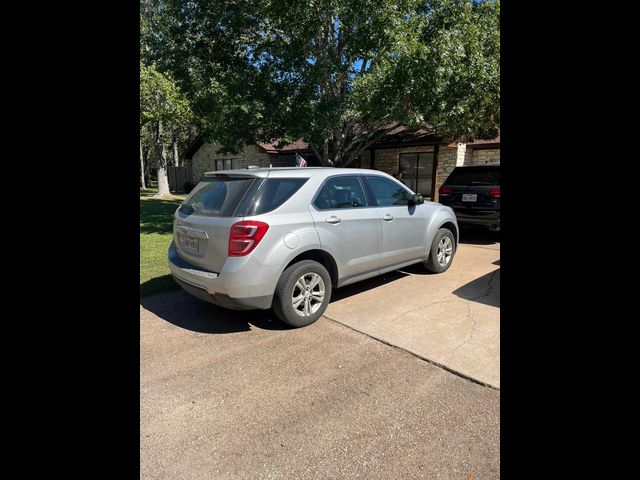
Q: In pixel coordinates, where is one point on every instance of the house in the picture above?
(420, 159)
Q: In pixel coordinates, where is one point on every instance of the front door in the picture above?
(403, 225)
(348, 226)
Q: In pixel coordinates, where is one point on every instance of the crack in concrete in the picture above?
(423, 307)
(416, 354)
(469, 337)
(487, 292)
(489, 289)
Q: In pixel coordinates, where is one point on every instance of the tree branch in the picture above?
(315, 151)
(365, 142)
(363, 67)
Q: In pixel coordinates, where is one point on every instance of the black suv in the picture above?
(474, 194)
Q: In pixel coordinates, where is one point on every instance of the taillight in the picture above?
(446, 190)
(245, 236)
(494, 192)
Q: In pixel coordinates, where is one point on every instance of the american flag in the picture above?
(300, 162)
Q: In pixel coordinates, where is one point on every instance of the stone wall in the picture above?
(386, 159)
(205, 159)
(468, 156)
(462, 154)
(484, 155)
(447, 161)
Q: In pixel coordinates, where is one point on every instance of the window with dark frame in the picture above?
(226, 163)
(416, 171)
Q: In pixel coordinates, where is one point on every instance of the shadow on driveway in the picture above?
(474, 235)
(485, 289)
(364, 285)
(185, 311)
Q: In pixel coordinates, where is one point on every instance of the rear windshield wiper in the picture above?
(481, 183)
(188, 209)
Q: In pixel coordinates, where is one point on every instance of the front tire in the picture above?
(442, 251)
(302, 294)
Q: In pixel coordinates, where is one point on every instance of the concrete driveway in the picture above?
(451, 319)
(231, 395)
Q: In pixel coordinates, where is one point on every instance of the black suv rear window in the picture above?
(217, 197)
(474, 176)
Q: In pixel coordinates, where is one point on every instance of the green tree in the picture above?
(337, 73)
(163, 110)
(167, 123)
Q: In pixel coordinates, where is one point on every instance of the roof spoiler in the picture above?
(236, 174)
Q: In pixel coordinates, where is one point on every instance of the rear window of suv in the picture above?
(474, 176)
(240, 197)
(217, 197)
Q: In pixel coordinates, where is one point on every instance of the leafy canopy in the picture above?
(337, 74)
(160, 98)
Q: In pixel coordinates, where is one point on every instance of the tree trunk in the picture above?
(144, 186)
(175, 150)
(147, 164)
(163, 179)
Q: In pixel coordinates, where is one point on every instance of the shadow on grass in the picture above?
(184, 311)
(156, 216)
(485, 289)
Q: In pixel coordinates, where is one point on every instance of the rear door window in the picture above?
(341, 192)
(273, 193)
(474, 176)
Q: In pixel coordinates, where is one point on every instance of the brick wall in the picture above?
(204, 160)
(482, 156)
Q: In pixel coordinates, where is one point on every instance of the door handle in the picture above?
(333, 219)
(387, 217)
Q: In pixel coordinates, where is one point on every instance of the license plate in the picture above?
(190, 244)
(469, 197)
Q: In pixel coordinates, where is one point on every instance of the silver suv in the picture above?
(285, 237)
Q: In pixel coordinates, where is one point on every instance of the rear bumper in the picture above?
(478, 217)
(225, 301)
(234, 289)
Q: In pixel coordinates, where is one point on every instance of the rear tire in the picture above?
(302, 294)
(443, 249)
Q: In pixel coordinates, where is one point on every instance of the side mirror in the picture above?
(417, 199)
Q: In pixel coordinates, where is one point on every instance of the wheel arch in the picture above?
(454, 229)
(322, 257)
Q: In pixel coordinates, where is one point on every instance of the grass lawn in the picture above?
(156, 222)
